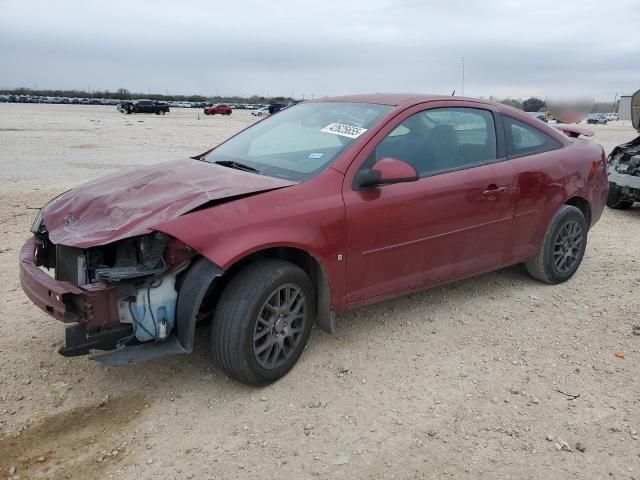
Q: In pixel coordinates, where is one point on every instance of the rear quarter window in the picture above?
(523, 139)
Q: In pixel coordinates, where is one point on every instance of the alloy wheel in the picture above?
(279, 327)
(568, 246)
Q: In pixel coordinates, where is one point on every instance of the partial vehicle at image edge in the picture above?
(327, 206)
(624, 166)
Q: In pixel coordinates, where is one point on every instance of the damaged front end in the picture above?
(624, 166)
(624, 174)
(121, 296)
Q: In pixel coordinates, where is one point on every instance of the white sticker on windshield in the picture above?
(316, 155)
(344, 130)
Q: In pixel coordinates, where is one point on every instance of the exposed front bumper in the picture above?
(94, 305)
(94, 310)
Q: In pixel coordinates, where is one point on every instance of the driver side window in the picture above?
(440, 140)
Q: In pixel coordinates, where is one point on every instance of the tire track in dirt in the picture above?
(77, 443)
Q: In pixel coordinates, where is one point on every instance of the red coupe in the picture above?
(219, 109)
(327, 206)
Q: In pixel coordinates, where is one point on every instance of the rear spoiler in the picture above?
(574, 132)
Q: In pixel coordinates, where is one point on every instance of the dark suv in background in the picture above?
(144, 106)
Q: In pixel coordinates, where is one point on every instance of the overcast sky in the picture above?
(330, 47)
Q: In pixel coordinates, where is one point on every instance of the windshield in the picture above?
(301, 141)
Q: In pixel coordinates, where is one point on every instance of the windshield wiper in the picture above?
(237, 166)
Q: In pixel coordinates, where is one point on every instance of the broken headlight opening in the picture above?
(36, 226)
(134, 257)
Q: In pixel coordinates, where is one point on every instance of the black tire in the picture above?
(228, 112)
(236, 325)
(548, 265)
(615, 199)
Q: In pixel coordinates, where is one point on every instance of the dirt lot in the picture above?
(463, 381)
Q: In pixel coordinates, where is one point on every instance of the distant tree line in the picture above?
(531, 104)
(124, 94)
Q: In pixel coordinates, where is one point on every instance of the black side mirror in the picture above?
(367, 178)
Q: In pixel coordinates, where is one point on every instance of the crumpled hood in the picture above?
(131, 202)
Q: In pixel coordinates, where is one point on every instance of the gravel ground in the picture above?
(498, 376)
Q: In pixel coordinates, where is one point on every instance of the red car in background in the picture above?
(327, 206)
(219, 109)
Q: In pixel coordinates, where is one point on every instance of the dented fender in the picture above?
(227, 233)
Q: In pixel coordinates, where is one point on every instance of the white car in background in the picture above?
(612, 116)
(260, 112)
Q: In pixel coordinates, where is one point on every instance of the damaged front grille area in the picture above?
(624, 169)
(124, 260)
(119, 294)
(134, 258)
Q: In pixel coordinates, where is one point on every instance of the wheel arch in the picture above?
(581, 204)
(312, 267)
(325, 317)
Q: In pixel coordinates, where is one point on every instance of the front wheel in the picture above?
(562, 249)
(263, 321)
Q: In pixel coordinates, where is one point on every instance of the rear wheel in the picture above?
(262, 321)
(616, 200)
(562, 249)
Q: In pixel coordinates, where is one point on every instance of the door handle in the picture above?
(493, 190)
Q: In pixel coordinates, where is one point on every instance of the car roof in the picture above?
(395, 99)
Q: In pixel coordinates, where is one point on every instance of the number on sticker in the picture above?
(344, 130)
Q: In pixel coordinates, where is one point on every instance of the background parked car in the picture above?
(220, 109)
(144, 106)
(597, 118)
(260, 112)
(276, 107)
(612, 116)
